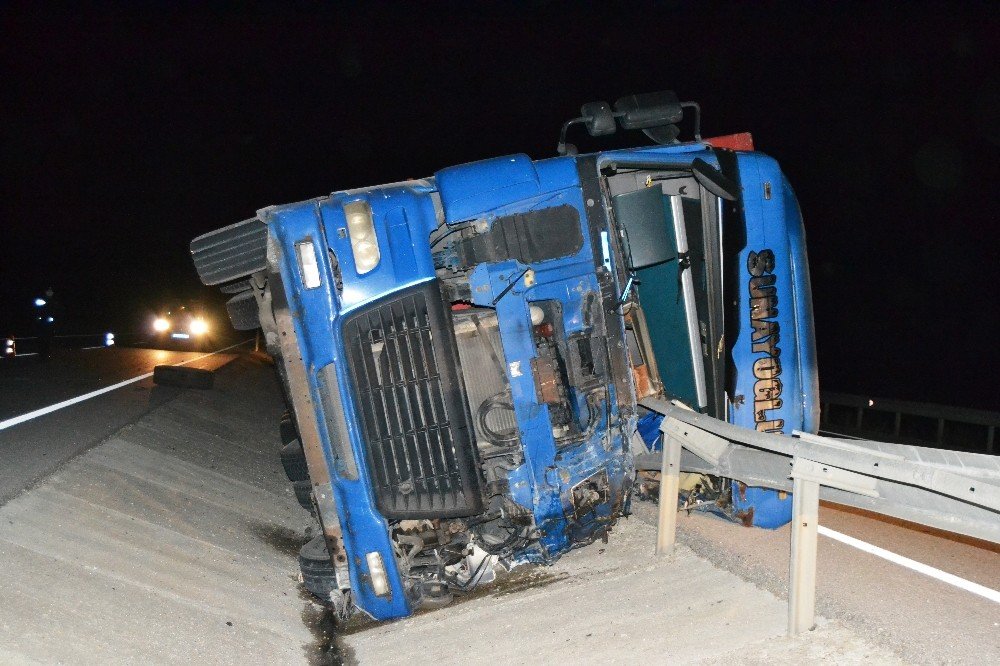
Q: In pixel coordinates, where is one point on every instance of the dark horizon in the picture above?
(128, 132)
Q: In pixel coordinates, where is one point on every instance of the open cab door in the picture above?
(722, 318)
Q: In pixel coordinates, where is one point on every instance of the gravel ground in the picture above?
(174, 541)
(614, 603)
(921, 619)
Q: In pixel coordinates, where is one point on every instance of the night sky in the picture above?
(124, 133)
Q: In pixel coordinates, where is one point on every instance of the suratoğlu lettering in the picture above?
(765, 338)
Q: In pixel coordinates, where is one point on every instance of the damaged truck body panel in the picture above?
(464, 355)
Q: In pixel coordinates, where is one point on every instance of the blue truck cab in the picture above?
(463, 355)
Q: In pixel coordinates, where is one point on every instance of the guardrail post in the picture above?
(670, 477)
(802, 571)
(989, 439)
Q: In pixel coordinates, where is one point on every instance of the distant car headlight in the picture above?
(161, 324)
(199, 327)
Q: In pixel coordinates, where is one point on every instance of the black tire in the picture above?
(293, 459)
(318, 574)
(303, 493)
(434, 601)
(286, 427)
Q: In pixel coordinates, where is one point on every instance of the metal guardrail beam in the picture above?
(862, 406)
(957, 492)
(929, 410)
(972, 478)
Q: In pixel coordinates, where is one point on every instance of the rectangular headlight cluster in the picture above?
(361, 228)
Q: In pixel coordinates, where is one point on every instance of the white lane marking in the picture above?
(95, 347)
(943, 576)
(13, 421)
(28, 354)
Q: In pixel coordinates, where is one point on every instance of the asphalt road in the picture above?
(31, 450)
(923, 620)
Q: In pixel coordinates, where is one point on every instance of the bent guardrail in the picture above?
(949, 490)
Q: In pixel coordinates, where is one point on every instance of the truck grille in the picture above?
(419, 443)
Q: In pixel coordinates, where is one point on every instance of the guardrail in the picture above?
(957, 492)
(908, 422)
(27, 345)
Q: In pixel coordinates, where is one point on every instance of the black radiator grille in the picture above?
(412, 406)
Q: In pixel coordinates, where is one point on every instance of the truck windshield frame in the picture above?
(699, 275)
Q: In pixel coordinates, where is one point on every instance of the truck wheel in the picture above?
(318, 575)
(293, 459)
(303, 493)
(286, 427)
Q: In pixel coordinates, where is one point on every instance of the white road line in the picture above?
(95, 347)
(13, 421)
(943, 576)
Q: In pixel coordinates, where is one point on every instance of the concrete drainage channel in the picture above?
(175, 541)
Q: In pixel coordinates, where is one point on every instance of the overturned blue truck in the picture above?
(462, 356)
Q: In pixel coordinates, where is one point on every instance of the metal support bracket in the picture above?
(834, 477)
(807, 477)
(670, 479)
(703, 444)
(802, 570)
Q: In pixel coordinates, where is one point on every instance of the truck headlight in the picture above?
(364, 243)
(199, 327)
(160, 324)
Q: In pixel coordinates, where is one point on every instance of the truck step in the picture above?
(230, 253)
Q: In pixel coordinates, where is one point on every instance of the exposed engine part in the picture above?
(490, 408)
(551, 376)
(590, 493)
(478, 568)
(528, 237)
(480, 352)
